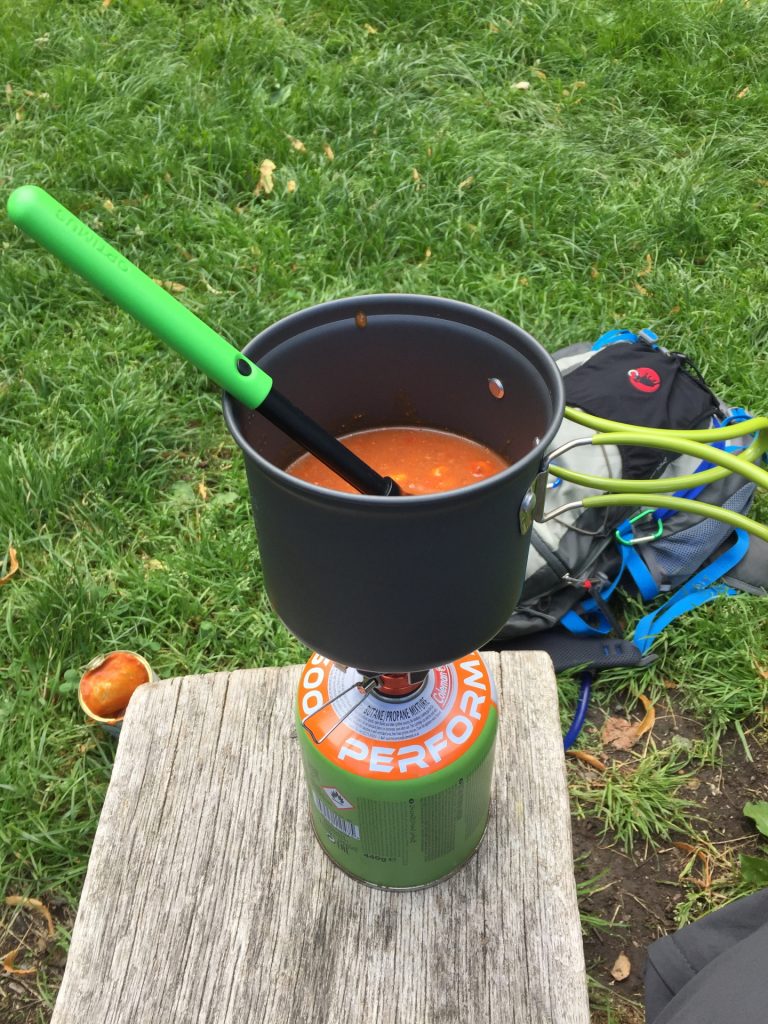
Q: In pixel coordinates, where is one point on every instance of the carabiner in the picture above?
(634, 541)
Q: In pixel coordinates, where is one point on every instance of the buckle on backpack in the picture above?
(631, 542)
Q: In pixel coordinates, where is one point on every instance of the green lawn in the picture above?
(571, 165)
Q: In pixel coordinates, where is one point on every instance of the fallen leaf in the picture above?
(621, 968)
(522, 86)
(298, 145)
(370, 29)
(290, 185)
(19, 115)
(706, 881)
(10, 959)
(202, 490)
(328, 151)
(743, 93)
(38, 905)
(762, 672)
(415, 175)
(760, 181)
(108, 205)
(579, 85)
(106, 3)
(266, 181)
(13, 566)
(37, 95)
(590, 759)
(649, 719)
(427, 254)
(594, 273)
(675, 309)
(493, 28)
(170, 286)
(619, 733)
(523, 281)
(8, 89)
(156, 565)
(640, 290)
(622, 734)
(42, 40)
(467, 181)
(648, 259)
(209, 288)
(566, 92)
(539, 73)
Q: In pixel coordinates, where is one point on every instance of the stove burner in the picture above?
(391, 686)
(397, 685)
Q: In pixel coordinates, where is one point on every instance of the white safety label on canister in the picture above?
(375, 737)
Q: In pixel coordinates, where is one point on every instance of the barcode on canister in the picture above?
(347, 827)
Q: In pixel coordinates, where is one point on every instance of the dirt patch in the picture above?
(644, 895)
(30, 979)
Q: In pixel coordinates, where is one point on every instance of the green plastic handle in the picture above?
(40, 216)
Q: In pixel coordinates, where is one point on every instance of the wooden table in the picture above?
(209, 900)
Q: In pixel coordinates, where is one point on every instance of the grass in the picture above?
(625, 186)
(638, 801)
(722, 684)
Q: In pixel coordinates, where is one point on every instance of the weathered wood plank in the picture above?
(208, 899)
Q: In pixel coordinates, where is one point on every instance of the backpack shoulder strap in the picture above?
(700, 588)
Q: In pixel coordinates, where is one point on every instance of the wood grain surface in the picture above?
(208, 899)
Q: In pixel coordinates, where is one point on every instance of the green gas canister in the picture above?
(398, 767)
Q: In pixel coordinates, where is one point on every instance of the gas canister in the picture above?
(398, 771)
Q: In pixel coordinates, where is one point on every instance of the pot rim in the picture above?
(347, 307)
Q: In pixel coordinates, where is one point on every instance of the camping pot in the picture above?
(398, 584)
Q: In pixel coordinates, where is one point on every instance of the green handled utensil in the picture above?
(41, 217)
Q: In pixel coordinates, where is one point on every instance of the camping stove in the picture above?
(398, 767)
(399, 759)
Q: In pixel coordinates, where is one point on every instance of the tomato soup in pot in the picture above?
(420, 460)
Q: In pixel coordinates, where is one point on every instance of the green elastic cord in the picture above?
(710, 434)
(671, 440)
(698, 508)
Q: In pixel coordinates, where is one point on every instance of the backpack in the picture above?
(579, 560)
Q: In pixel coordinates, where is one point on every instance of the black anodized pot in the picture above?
(406, 583)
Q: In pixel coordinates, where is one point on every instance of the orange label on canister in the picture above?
(396, 739)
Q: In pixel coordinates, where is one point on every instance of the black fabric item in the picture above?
(569, 651)
(641, 385)
(714, 971)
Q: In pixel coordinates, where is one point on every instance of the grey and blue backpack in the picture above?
(584, 556)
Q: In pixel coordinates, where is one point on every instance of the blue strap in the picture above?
(639, 571)
(698, 590)
(579, 626)
(737, 415)
(646, 334)
(612, 336)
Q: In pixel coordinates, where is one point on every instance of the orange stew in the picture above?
(420, 460)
